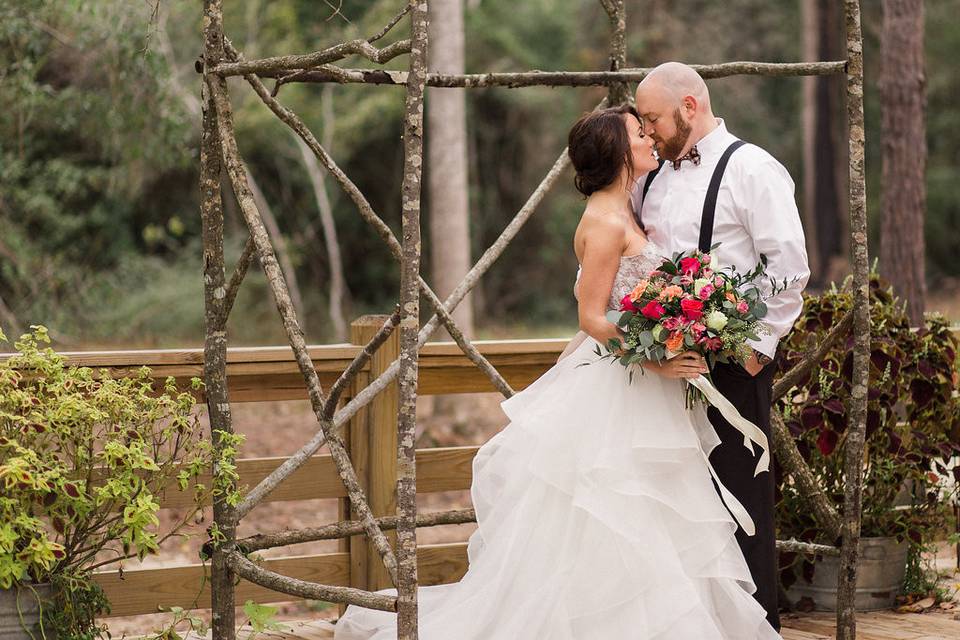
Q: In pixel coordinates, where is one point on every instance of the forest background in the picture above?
(99, 127)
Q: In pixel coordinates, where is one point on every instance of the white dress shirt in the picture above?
(756, 213)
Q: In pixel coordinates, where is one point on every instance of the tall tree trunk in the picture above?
(338, 285)
(824, 158)
(903, 191)
(447, 161)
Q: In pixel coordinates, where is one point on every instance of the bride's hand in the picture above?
(688, 364)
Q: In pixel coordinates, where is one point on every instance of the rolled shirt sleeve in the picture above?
(769, 214)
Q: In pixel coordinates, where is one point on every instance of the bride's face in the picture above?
(641, 146)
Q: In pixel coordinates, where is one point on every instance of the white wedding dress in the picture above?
(597, 518)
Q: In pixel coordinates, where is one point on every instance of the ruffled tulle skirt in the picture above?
(597, 520)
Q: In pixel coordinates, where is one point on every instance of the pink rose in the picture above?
(671, 324)
(692, 309)
(686, 280)
(698, 328)
(690, 266)
(718, 282)
(626, 304)
(707, 273)
(705, 258)
(706, 291)
(713, 344)
(743, 307)
(653, 310)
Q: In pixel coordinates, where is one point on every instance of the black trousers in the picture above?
(735, 466)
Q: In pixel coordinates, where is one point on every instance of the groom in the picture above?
(712, 188)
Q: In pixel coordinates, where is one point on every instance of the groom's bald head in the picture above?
(676, 81)
(674, 103)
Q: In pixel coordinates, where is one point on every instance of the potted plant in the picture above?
(913, 429)
(85, 459)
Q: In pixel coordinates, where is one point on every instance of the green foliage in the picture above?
(261, 618)
(98, 150)
(913, 420)
(84, 461)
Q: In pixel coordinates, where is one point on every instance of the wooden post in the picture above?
(372, 437)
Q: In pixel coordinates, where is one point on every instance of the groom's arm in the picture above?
(769, 214)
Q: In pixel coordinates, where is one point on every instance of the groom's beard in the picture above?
(671, 149)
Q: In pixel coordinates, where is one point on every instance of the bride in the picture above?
(597, 517)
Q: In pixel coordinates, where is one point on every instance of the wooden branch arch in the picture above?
(219, 152)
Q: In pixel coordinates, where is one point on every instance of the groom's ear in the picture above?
(690, 105)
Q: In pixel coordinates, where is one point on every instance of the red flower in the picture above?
(653, 310)
(692, 309)
(713, 344)
(626, 304)
(690, 266)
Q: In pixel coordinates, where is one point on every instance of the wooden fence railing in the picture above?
(263, 374)
(270, 373)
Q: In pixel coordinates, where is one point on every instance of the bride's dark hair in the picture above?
(599, 147)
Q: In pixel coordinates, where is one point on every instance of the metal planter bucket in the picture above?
(883, 562)
(20, 612)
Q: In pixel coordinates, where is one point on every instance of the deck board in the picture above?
(877, 625)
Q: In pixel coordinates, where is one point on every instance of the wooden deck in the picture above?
(879, 625)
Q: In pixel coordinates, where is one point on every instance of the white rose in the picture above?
(698, 284)
(716, 320)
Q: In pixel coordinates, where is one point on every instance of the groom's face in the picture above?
(664, 122)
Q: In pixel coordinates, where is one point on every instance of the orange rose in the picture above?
(638, 290)
(731, 297)
(675, 341)
(671, 292)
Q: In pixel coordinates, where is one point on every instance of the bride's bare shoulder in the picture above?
(600, 227)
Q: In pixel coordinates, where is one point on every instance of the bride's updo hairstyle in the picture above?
(599, 147)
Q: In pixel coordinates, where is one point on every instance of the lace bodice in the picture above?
(632, 270)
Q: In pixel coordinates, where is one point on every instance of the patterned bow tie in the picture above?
(693, 156)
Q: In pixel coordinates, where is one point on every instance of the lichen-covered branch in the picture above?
(338, 52)
(215, 314)
(359, 362)
(370, 216)
(413, 124)
(239, 273)
(268, 260)
(617, 13)
(857, 407)
(331, 73)
(813, 359)
(348, 528)
(797, 546)
(785, 449)
(308, 590)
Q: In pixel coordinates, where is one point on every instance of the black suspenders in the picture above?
(643, 196)
(709, 203)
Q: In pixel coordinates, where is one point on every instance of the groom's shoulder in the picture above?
(753, 160)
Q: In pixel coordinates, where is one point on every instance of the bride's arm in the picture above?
(602, 248)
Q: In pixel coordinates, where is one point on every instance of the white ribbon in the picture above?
(751, 432)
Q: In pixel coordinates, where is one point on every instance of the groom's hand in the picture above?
(753, 364)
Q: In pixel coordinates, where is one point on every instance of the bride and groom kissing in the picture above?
(607, 509)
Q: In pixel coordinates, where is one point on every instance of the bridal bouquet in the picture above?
(686, 305)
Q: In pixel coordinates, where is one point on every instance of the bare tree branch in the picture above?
(359, 362)
(390, 25)
(238, 179)
(349, 528)
(813, 359)
(309, 590)
(239, 272)
(797, 546)
(307, 61)
(331, 73)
